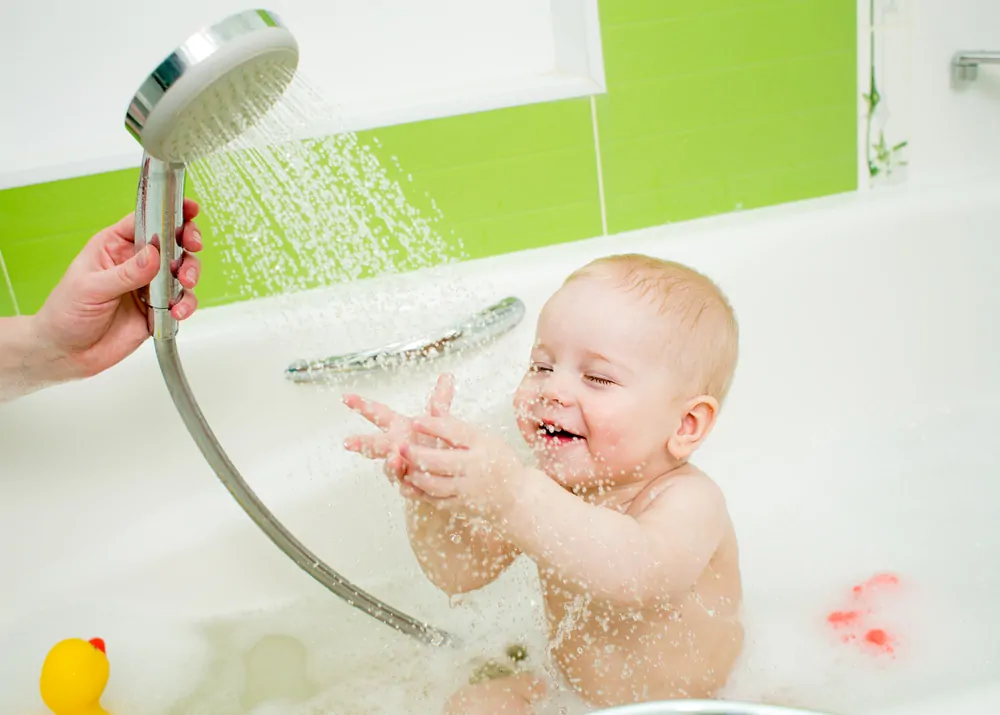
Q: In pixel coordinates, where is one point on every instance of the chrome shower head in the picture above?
(213, 87)
(210, 90)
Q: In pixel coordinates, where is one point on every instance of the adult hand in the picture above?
(92, 320)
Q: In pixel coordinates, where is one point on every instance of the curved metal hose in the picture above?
(187, 407)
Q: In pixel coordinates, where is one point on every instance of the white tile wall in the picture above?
(952, 131)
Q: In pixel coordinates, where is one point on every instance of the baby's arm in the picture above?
(455, 555)
(625, 559)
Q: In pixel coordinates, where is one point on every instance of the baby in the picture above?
(632, 360)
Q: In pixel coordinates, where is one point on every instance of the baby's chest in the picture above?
(571, 610)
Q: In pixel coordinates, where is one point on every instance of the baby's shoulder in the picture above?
(686, 488)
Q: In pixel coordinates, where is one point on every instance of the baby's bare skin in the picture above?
(680, 649)
(635, 548)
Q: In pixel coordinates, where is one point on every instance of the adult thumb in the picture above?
(126, 277)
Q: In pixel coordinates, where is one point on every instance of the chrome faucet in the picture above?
(965, 63)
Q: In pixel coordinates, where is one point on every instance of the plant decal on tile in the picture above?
(884, 157)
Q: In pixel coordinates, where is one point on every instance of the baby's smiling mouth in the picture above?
(551, 432)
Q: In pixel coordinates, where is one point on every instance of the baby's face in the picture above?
(597, 403)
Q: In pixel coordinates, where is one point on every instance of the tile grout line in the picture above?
(600, 168)
(10, 286)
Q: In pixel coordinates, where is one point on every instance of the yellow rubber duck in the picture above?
(73, 677)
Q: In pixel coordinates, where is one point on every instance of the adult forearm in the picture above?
(455, 554)
(25, 365)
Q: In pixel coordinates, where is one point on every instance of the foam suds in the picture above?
(320, 656)
(315, 657)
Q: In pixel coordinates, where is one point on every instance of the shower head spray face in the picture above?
(209, 91)
(214, 87)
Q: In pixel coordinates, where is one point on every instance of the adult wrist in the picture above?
(26, 363)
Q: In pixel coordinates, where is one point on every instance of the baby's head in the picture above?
(632, 360)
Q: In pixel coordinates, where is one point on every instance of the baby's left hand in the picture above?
(474, 473)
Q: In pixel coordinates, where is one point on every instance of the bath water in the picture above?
(810, 531)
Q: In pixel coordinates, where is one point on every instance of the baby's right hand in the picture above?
(396, 430)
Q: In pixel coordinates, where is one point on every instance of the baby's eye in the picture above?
(600, 380)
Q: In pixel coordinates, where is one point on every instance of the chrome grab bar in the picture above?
(476, 330)
(965, 63)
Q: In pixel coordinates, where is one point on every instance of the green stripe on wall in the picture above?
(712, 106)
(7, 307)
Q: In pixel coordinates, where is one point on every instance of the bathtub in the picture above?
(859, 439)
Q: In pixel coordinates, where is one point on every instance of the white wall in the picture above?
(952, 130)
(69, 69)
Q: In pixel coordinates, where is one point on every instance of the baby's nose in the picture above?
(557, 389)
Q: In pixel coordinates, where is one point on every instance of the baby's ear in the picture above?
(697, 420)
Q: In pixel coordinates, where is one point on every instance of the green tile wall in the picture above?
(718, 105)
(712, 106)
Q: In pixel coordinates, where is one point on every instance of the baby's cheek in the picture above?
(524, 400)
(522, 412)
(606, 441)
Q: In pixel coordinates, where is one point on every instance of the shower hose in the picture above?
(194, 420)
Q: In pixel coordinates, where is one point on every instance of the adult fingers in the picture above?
(191, 209)
(187, 270)
(191, 238)
(125, 277)
(185, 307)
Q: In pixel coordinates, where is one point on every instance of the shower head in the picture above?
(213, 87)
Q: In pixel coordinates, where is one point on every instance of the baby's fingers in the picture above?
(442, 396)
(432, 485)
(447, 428)
(372, 446)
(375, 412)
(444, 462)
(394, 467)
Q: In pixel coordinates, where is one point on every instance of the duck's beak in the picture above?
(98, 643)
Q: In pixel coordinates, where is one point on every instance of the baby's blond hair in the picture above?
(702, 336)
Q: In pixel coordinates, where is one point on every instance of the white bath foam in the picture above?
(942, 636)
(328, 658)
(154, 660)
(940, 617)
(918, 505)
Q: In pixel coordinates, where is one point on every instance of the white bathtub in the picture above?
(859, 438)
